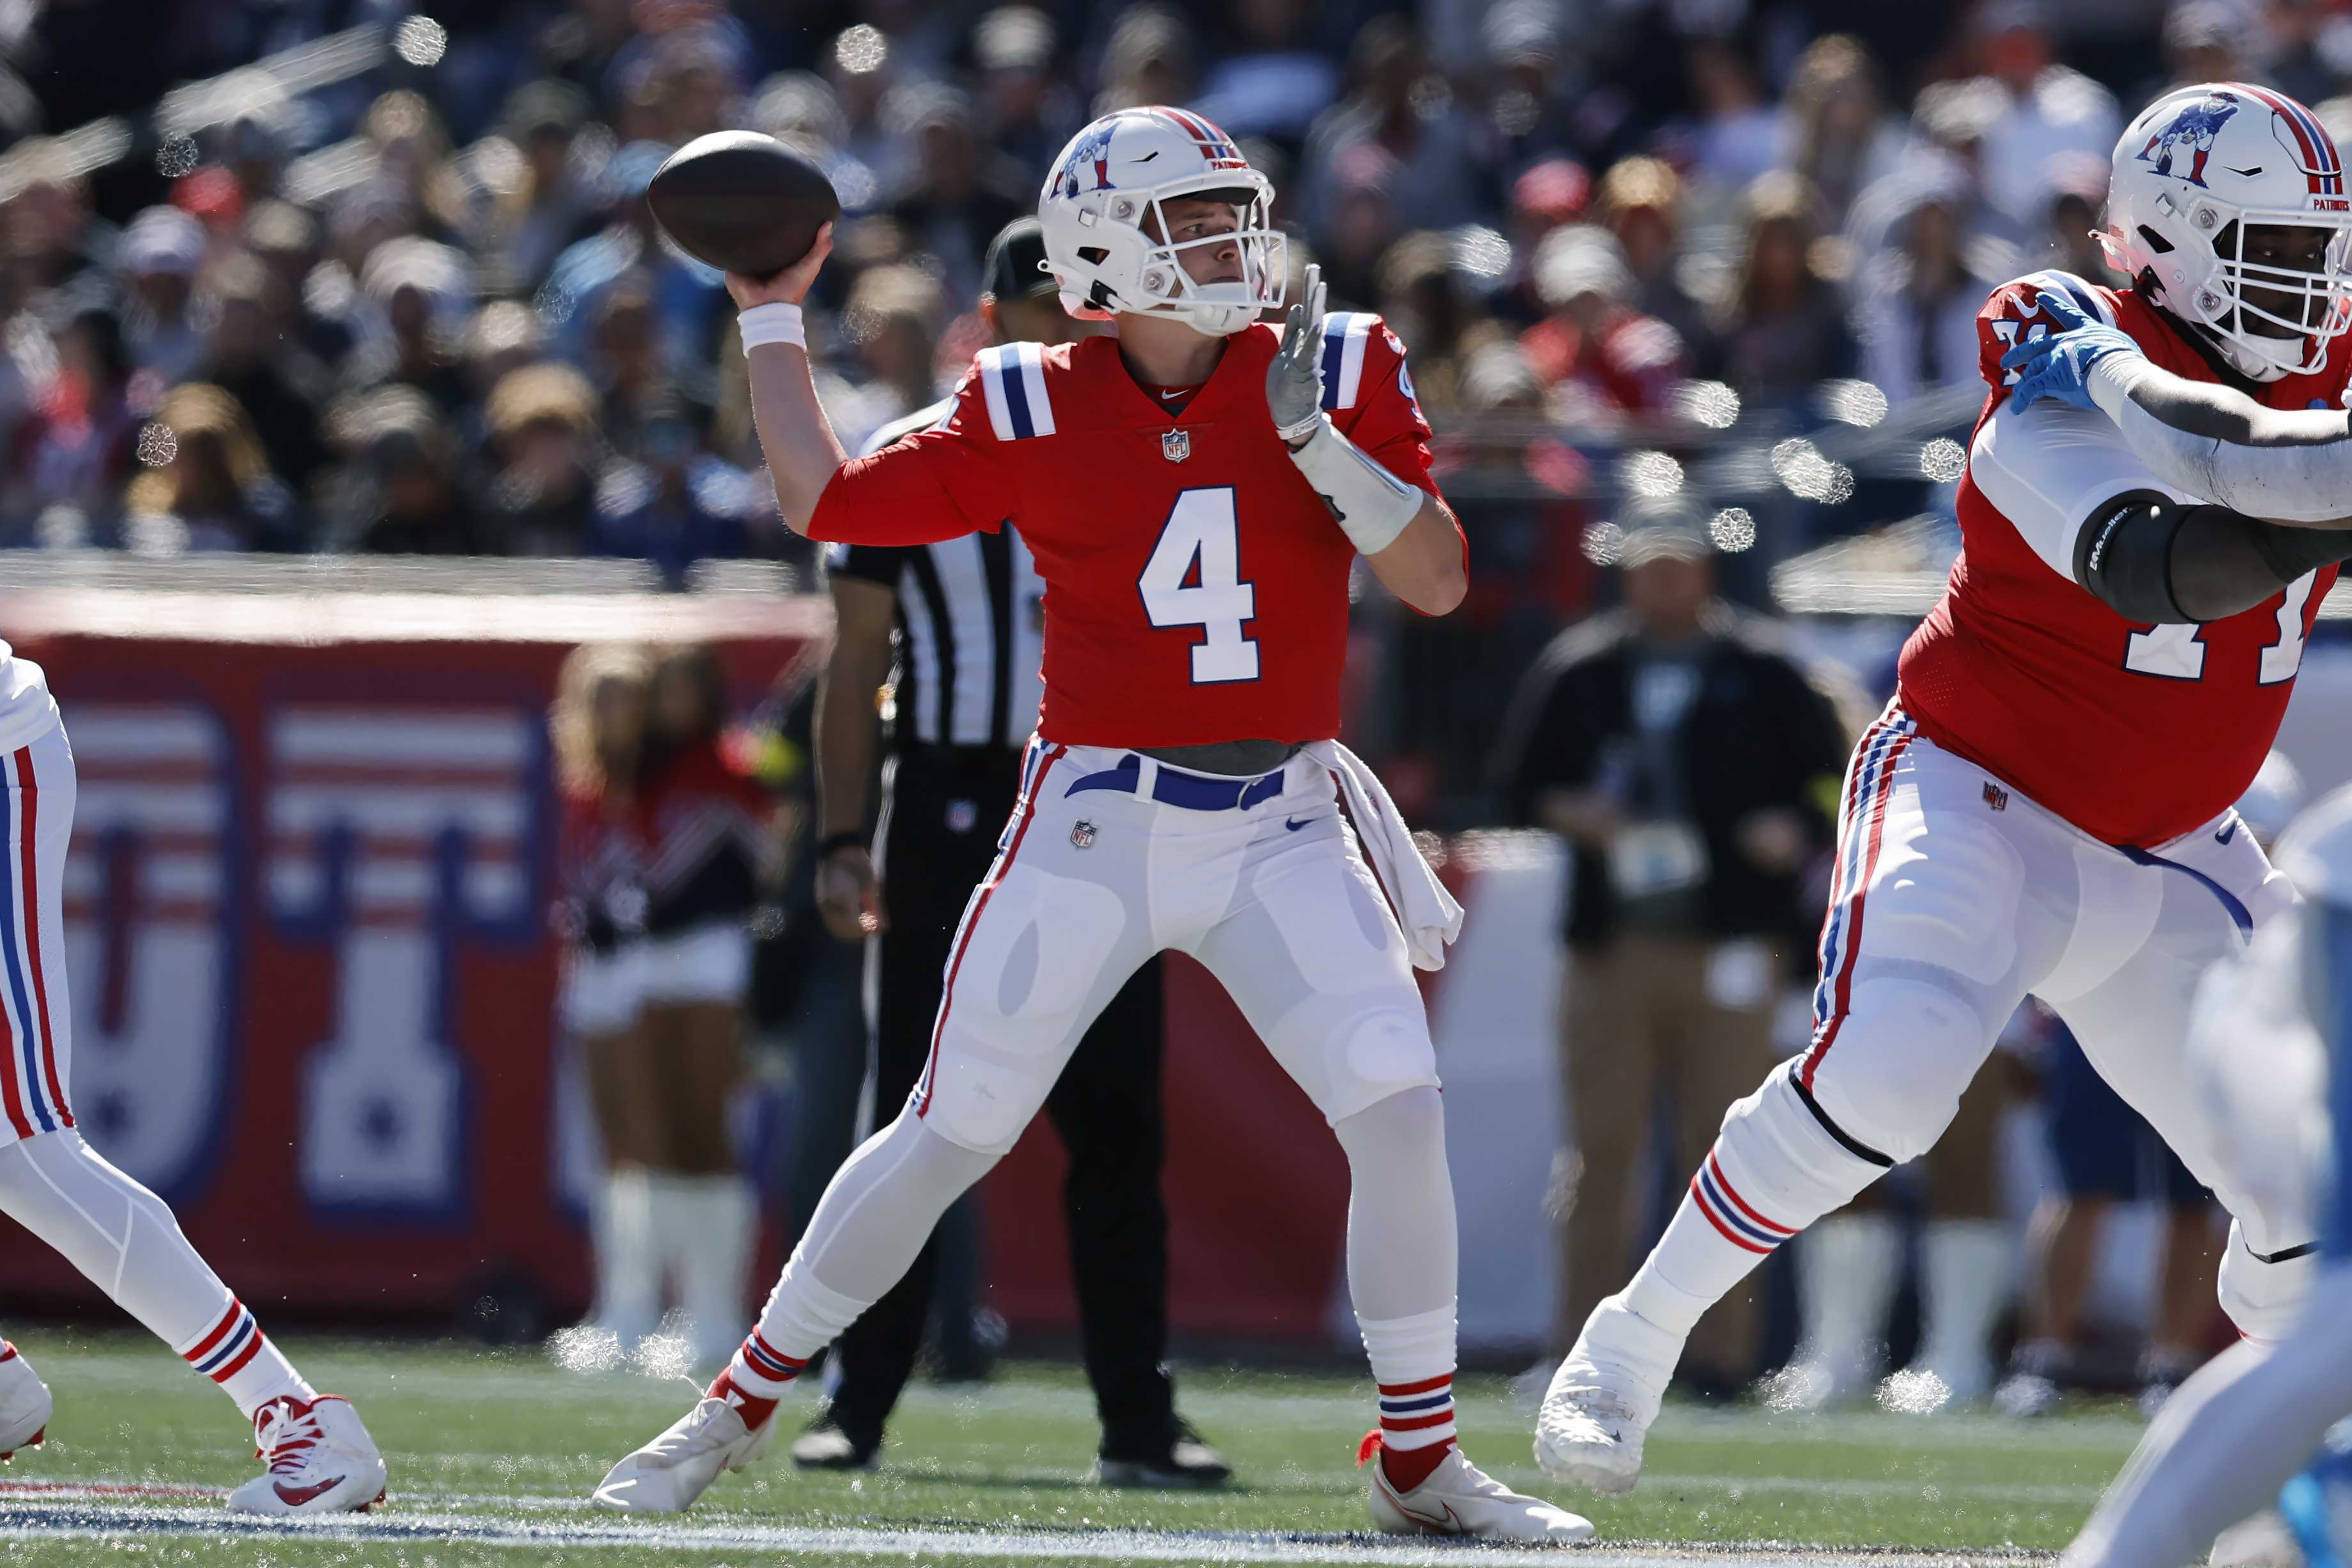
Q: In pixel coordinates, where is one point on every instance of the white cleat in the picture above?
(25, 1404)
(1603, 1398)
(667, 1474)
(321, 1460)
(1459, 1498)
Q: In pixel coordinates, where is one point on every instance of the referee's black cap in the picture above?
(1016, 269)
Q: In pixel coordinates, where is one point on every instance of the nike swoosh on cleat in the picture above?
(1449, 1525)
(2226, 834)
(295, 1497)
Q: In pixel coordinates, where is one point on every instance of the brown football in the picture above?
(741, 202)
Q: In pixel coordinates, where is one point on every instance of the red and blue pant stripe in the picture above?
(32, 1088)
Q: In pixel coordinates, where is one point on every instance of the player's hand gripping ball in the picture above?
(2058, 364)
(1294, 381)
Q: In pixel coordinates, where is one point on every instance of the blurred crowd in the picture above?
(404, 297)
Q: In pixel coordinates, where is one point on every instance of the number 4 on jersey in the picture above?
(1202, 530)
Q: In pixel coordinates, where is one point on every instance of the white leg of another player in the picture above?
(120, 1235)
(2224, 1443)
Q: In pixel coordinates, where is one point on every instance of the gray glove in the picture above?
(1294, 381)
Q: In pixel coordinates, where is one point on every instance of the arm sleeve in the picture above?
(2220, 446)
(941, 483)
(2050, 469)
(1369, 393)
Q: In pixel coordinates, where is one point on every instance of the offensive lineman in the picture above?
(1183, 790)
(2044, 808)
(122, 1237)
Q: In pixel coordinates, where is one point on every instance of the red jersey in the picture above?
(2136, 734)
(1196, 586)
(703, 821)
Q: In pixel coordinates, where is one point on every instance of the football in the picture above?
(741, 202)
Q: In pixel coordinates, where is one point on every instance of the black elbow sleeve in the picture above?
(2124, 555)
(2148, 558)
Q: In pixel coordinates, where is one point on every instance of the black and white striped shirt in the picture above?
(971, 622)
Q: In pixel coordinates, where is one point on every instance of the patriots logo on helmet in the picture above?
(2190, 131)
(1092, 147)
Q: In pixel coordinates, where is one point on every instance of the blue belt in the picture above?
(1193, 791)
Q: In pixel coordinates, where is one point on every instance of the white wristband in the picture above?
(774, 322)
(1372, 505)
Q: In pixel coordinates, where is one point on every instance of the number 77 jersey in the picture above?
(1196, 586)
(2135, 734)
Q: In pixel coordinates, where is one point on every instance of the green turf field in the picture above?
(493, 1454)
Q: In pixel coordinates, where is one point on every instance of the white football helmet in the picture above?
(2197, 169)
(1105, 234)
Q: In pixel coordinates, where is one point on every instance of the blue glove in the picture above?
(2058, 364)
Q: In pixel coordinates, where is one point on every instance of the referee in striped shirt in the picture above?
(956, 630)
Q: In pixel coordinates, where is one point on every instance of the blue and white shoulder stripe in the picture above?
(2092, 303)
(1346, 334)
(1013, 380)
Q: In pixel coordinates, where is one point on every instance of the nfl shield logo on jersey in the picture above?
(1995, 796)
(1082, 834)
(1176, 446)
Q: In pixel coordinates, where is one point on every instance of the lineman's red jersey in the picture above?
(1196, 587)
(2136, 734)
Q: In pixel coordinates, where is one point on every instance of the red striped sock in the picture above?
(756, 1379)
(1416, 1429)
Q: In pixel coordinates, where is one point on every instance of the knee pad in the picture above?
(1890, 1078)
(2264, 1297)
(1350, 1053)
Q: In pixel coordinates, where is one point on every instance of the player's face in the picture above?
(2280, 248)
(1193, 220)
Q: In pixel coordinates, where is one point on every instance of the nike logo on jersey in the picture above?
(295, 1497)
(2227, 833)
(1294, 825)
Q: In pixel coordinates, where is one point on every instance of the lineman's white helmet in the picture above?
(2193, 173)
(1105, 234)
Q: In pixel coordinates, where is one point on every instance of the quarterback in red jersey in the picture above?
(1195, 489)
(2045, 807)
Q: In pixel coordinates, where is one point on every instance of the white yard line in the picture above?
(43, 1521)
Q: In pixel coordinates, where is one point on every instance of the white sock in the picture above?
(1412, 1361)
(717, 1265)
(235, 1353)
(1774, 1171)
(1847, 1268)
(1966, 1274)
(125, 1240)
(628, 1274)
(670, 1199)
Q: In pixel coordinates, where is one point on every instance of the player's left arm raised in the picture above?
(1407, 534)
